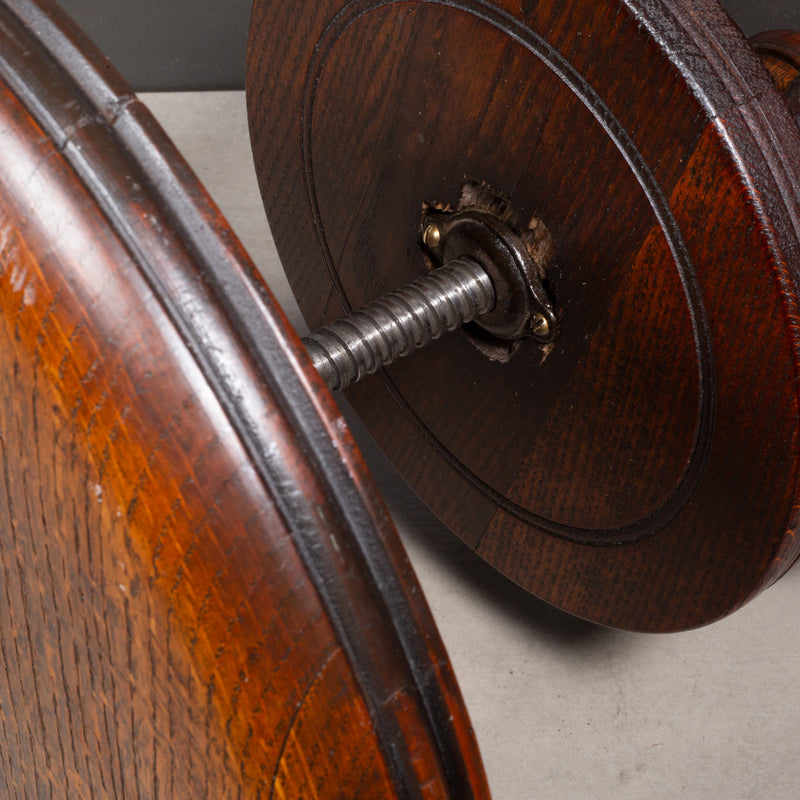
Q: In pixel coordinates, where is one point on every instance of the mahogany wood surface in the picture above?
(642, 474)
(780, 52)
(202, 594)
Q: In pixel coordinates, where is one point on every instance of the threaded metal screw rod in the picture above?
(400, 322)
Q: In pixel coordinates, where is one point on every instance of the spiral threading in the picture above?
(400, 322)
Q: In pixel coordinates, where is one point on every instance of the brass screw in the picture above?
(432, 236)
(540, 325)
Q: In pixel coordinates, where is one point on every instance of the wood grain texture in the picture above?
(644, 473)
(780, 52)
(202, 595)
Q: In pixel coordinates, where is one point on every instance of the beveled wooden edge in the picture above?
(241, 341)
(764, 130)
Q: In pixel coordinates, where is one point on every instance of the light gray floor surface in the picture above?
(561, 708)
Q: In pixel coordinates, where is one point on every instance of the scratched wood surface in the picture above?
(202, 595)
(643, 474)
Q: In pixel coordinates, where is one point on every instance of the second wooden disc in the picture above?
(643, 472)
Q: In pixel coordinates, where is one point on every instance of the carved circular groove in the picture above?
(604, 475)
(689, 469)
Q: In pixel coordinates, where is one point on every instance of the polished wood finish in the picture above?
(780, 52)
(202, 594)
(643, 473)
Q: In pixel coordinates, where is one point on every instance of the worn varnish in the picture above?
(202, 595)
(643, 474)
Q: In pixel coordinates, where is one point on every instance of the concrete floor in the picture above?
(561, 708)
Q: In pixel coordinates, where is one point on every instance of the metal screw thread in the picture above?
(400, 322)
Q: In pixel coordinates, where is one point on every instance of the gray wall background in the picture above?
(161, 45)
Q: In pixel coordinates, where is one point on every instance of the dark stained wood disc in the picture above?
(202, 594)
(643, 474)
(780, 52)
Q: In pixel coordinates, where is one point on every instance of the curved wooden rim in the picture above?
(780, 43)
(242, 342)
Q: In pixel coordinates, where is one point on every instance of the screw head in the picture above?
(432, 235)
(540, 325)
